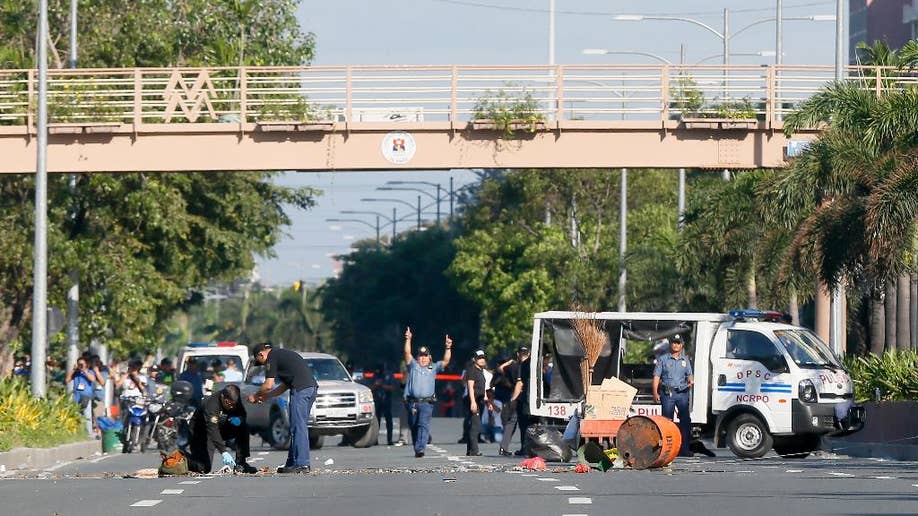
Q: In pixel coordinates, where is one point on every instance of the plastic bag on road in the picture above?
(547, 443)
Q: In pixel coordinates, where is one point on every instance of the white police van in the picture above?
(212, 359)
(759, 383)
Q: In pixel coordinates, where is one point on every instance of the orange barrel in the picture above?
(648, 441)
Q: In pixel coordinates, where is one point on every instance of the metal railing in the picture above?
(390, 94)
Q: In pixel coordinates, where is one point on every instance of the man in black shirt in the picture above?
(511, 377)
(474, 402)
(520, 399)
(220, 418)
(294, 374)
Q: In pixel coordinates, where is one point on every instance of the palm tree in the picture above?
(852, 197)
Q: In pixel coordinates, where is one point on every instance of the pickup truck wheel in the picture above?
(316, 441)
(365, 437)
(748, 437)
(797, 447)
(278, 433)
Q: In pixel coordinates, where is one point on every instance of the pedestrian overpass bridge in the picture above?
(322, 118)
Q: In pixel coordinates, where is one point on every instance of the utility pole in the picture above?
(40, 272)
(622, 241)
(451, 194)
(726, 37)
(836, 305)
(394, 223)
(779, 30)
(681, 202)
(377, 233)
(438, 204)
(419, 213)
(73, 293)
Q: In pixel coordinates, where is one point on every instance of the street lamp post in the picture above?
(365, 223)
(40, 272)
(836, 304)
(371, 199)
(393, 220)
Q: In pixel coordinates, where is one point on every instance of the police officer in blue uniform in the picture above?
(420, 389)
(672, 374)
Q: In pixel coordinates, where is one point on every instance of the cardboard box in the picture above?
(611, 400)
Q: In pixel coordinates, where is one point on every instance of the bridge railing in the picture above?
(404, 94)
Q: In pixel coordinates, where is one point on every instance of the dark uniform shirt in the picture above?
(290, 368)
(522, 375)
(211, 416)
(673, 372)
(477, 375)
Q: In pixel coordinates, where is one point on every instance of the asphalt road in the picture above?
(389, 480)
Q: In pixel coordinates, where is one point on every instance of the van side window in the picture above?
(752, 345)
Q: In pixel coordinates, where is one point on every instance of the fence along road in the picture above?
(411, 117)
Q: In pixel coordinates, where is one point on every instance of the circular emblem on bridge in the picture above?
(398, 147)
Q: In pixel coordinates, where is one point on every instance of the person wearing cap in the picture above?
(220, 418)
(292, 373)
(673, 375)
(474, 402)
(420, 389)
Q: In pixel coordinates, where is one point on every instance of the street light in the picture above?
(393, 220)
(365, 223)
(371, 199)
(436, 198)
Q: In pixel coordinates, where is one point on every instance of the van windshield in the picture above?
(806, 350)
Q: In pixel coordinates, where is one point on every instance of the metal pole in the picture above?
(73, 293)
(40, 273)
(836, 306)
(451, 194)
(419, 213)
(681, 202)
(726, 37)
(438, 203)
(551, 32)
(622, 241)
(394, 223)
(377, 232)
(725, 174)
(779, 30)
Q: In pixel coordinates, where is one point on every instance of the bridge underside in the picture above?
(240, 147)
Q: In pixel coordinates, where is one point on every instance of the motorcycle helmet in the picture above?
(181, 391)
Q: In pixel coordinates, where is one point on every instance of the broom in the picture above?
(592, 340)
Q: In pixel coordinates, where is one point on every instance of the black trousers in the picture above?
(384, 410)
(202, 449)
(472, 425)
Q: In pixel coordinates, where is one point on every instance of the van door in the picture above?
(751, 370)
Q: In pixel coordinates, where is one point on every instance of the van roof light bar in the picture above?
(750, 313)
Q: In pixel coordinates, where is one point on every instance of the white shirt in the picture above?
(129, 390)
(232, 375)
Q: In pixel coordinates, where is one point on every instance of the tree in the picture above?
(852, 197)
(143, 243)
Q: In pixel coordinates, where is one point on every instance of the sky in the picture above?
(376, 32)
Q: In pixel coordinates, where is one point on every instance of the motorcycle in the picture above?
(173, 428)
(155, 412)
(136, 424)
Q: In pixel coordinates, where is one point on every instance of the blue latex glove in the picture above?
(235, 420)
(228, 460)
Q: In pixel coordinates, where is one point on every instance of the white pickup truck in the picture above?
(759, 383)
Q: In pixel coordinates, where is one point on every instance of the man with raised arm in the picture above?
(420, 390)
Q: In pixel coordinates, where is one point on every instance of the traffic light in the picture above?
(296, 285)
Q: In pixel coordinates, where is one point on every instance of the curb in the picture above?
(41, 458)
(906, 452)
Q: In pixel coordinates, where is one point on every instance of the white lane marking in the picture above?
(794, 471)
(575, 515)
(529, 475)
(146, 503)
(263, 453)
(59, 465)
(189, 482)
(172, 491)
(914, 485)
(567, 488)
(256, 459)
(547, 479)
(885, 478)
(743, 471)
(579, 501)
(835, 474)
(452, 458)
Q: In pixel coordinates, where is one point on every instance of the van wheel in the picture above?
(316, 441)
(748, 437)
(797, 447)
(365, 437)
(278, 432)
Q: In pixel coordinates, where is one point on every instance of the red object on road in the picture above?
(535, 463)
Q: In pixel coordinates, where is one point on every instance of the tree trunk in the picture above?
(913, 311)
(794, 308)
(903, 305)
(750, 289)
(821, 301)
(890, 313)
(877, 324)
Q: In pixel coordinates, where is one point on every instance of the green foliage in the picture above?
(293, 108)
(735, 109)
(38, 423)
(141, 243)
(510, 111)
(83, 103)
(686, 98)
(894, 373)
(380, 292)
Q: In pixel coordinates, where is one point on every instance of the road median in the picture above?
(42, 458)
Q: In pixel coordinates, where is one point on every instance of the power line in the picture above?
(483, 5)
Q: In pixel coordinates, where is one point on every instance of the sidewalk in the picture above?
(42, 458)
(891, 432)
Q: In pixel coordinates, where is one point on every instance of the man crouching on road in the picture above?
(294, 374)
(220, 418)
(420, 391)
